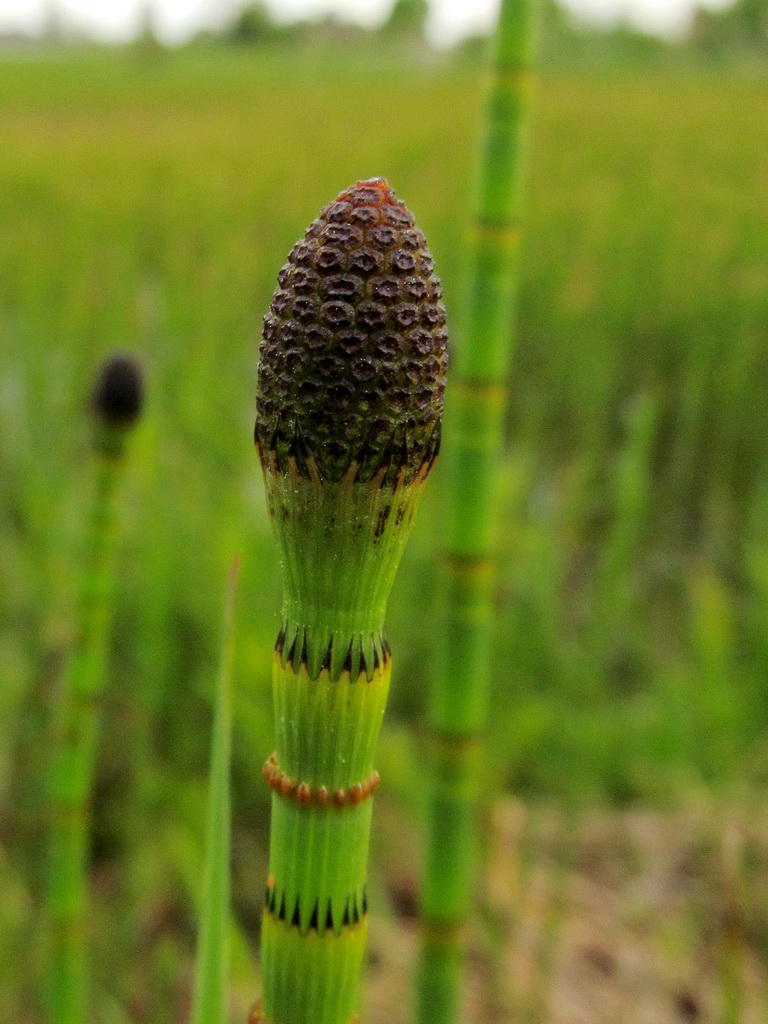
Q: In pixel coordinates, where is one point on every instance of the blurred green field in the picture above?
(148, 205)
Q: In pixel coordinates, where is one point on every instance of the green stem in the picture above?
(75, 742)
(341, 544)
(210, 1000)
(315, 917)
(472, 444)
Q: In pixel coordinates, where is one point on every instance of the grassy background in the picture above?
(147, 205)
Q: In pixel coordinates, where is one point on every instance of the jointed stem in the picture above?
(315, 918)
(74, 751)
(472, 441)
(116, 406)
(327, 725)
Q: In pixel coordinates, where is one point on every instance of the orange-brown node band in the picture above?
(287, 787)
(355, 794)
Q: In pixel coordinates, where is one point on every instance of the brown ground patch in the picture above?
(613, 917)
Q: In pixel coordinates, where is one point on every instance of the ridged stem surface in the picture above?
(341, 543)
(472, 442)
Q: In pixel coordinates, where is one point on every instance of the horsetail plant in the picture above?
(115, 406)
(474, 428)
(349, 399)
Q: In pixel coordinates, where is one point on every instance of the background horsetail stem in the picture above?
(459, 699)
(116, 405)
(350, 389)
(212, 963)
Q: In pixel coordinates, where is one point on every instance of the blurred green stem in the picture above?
(472, 444)
(74, 746)
(212, 964)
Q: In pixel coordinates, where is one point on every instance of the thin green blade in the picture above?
(212, 963)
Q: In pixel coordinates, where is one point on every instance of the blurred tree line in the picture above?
(730, 35)
(741, 30)
(734, 35)
(255, 25)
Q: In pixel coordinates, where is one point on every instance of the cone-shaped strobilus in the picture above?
(115, 406)
(350, 392)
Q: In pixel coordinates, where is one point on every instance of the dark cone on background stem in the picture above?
(354, 351)
(118, 394)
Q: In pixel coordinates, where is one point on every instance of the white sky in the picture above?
(450, 19)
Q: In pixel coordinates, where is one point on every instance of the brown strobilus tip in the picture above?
(118, 394)
(354, 351)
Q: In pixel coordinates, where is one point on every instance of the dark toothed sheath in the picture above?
(350, 390)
